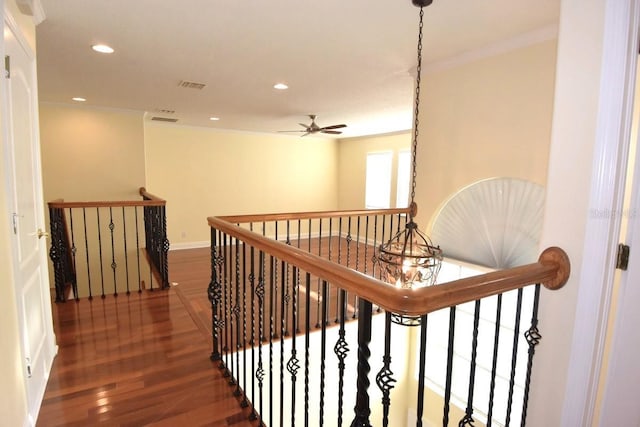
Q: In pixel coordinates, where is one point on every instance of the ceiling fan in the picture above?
(314, 128)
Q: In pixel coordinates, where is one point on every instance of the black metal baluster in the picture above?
(514, 357)
(307, 330)
(533, 338)
(285, 285)
(358, 244)
(421, 370)
(244, 403)
(86, 248)
(236, 317)
(293, 365)
(328, 296)
(100, 252)
(340, 262)
(260, 293)
(467, 420)
(384, 379)
(56, 252)
(275, 289)
(297, 324)
(366, 244)
(165, 248)
(318, 314)
(138, 250)
(114, 266)
(363, 409)
(226, 303)
(283, 280)
(341, 349)
(323, 349)
(447, 388)
(214, 295)
(74, 283)
(252, 280)
(126, 254)
(494, 363)
(272, 291)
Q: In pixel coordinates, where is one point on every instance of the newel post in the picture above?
(363, 408)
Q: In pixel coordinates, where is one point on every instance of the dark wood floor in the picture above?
(141, 359)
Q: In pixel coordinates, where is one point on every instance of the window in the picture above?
(378, 180)
(404, 179)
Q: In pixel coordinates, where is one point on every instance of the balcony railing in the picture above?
(282, 296)
(108, 247)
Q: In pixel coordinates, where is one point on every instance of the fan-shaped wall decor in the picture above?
(495, 222)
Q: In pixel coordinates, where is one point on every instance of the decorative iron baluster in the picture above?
(297, 324)
(165, 248)
(494, 363)
(244, 403)
(138, 250)
(533, 338)
(272, 292)
(468, 420)
(226, 311)
(56, 252)
(252, 283)
(86, 248)
(341, 349)
(339, 262)
(283, 280)
(74, 282)
(214, 294)
(421, 370)
(323, 349)
(100, 252)
(287, 295)
(126, 254)
(514, 357)
(447, 388)
(384, 379)
(260, 293)
(293, 365)
(114, 266)
(307, 330)
(236, 316)
(362, 409)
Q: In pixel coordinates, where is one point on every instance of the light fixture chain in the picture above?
(416, 110)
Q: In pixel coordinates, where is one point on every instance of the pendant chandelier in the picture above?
(409, 259)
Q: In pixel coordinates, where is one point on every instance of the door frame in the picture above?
(611, 150)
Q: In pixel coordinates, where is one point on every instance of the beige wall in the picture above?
(91, 154)
(488, 118)
(13, 405)
(352, 165)
(203, 172)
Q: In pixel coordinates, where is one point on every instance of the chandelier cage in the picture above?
(409, 259)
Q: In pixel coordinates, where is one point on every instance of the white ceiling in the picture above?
(348, 61)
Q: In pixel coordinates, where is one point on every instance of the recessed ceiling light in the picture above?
(78, 99)
(280, 86)
(214, 119)
(102, 48)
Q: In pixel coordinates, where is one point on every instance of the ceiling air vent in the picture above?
(191, 85)
(164, 111)
(164, 119)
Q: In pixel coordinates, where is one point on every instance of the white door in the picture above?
(22, 151)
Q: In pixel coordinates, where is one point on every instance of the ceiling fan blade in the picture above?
(305, 134)
(333, 132)
(303, 125)
(296, 131)
(334, 127)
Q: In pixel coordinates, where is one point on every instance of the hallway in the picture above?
(140, 359)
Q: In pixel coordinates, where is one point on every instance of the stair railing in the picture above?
(266, 288)
(98, 248)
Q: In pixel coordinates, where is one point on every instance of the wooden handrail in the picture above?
(552, 270)
(154, 201)
(241, 219)
(143, 192)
